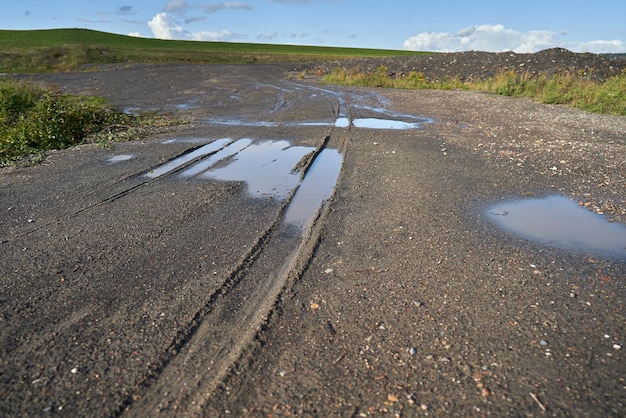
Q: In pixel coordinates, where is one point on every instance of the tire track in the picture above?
(232, 318)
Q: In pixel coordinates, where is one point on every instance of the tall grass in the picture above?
(34, 119)
(569, 89)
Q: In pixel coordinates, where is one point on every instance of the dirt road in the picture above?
(310, 250)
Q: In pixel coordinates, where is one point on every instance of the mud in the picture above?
(130, 294)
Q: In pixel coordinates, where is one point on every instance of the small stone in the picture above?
(418, 303)
(315, 306)
(328, 271)
(74, 370)
(543, 343)
(617, 346)
(412, 351)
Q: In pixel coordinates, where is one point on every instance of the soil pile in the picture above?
(475, 65)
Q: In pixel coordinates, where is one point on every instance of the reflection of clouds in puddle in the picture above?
(558, 221)
(267, 167)
(119, 158)
(340, 122)
(315, 189)
(207, 163)
(186, 158)
(375, 123)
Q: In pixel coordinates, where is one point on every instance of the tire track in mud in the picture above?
(235, 313)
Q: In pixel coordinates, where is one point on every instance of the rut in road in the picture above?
(234, 314)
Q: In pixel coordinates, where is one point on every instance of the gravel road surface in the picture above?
(178, 276)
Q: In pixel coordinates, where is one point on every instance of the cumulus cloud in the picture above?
(492, 38)
(602, 47)
(164, 26)
(497, 38)
(223, 35)
(167, 24)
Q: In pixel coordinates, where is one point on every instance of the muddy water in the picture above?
(558, 221)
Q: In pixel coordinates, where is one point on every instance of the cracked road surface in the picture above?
(300, 249)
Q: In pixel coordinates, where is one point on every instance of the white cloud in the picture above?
(497, 38)
(164, 26)
(602, 47)
(167, 25)
(224, 35)
(135, 34)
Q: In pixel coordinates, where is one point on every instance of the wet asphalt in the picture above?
(126, 292)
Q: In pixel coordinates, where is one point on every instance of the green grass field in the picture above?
(67, 49)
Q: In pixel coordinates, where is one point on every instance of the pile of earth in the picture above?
(475, 65)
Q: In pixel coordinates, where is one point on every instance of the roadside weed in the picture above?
(34, 119)
(577, 90)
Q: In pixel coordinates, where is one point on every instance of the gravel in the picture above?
(475, 65)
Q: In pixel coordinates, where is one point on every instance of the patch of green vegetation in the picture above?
(34, 119)
(67, 49)
(575, 90)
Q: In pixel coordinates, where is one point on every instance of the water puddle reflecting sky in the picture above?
(185, 158)
(270, 168)
(558, 221)
(316, 188)
(396, 121)
(266, 166)
(120, 158)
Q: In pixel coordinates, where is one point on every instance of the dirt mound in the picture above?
(475, 65)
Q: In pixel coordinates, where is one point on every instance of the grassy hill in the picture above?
(66, 49)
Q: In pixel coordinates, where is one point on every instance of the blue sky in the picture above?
(435, 25)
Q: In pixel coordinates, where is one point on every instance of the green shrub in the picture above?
(34, 119)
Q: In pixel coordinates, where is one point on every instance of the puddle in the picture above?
(269, 169)
(561, 222)
(266, 166)
(375, 123)
(207, 163)
(316, 188)
(244, 122)
(120, 158)
(340, 122)
(186, 158)
(187, 140)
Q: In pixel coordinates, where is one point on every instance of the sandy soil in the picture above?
(123, 296)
